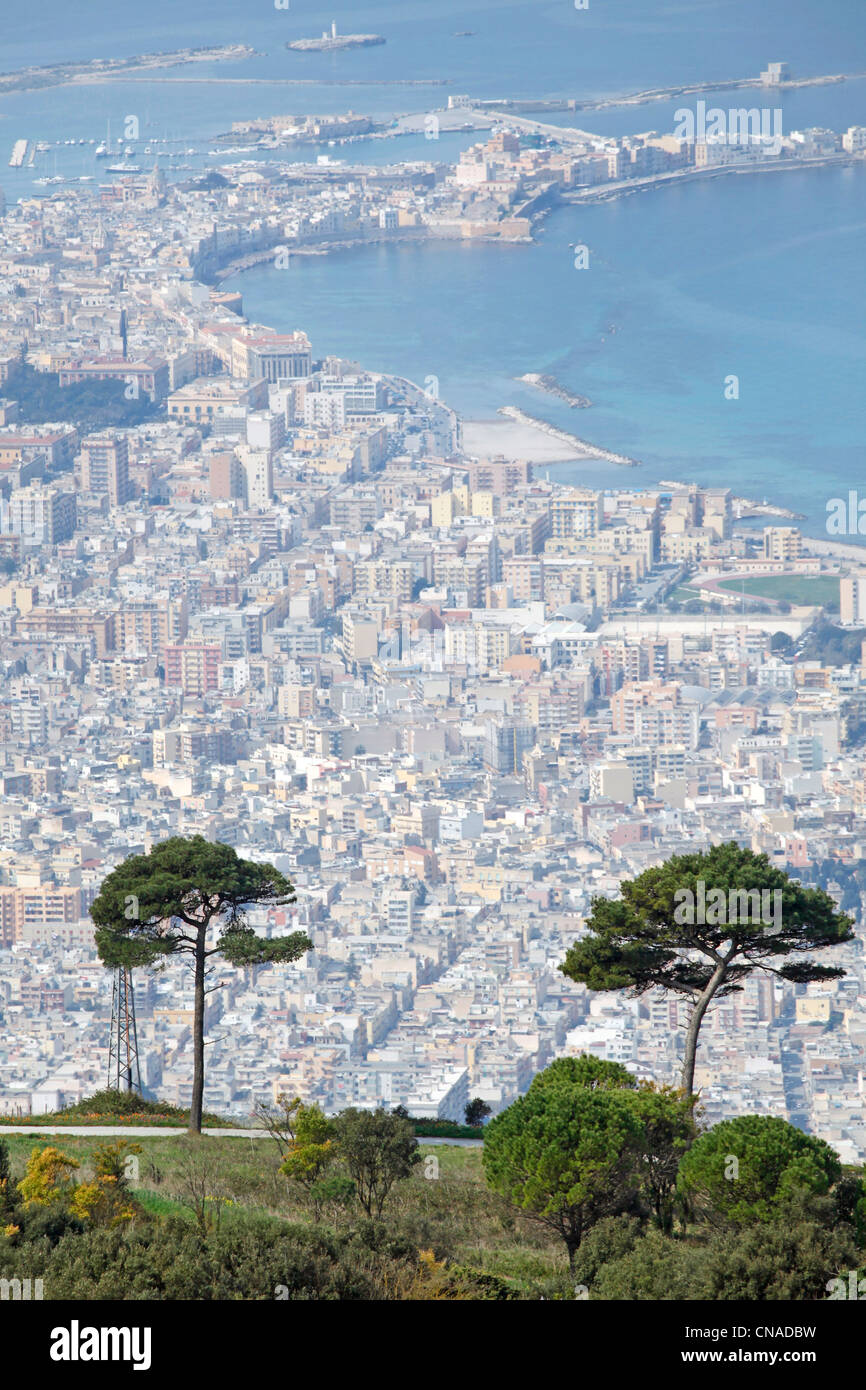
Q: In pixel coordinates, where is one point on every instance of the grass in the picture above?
(118, 1108)
(445, 1206)
(682, 593)
(819, 589)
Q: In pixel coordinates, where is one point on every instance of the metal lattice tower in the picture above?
(123, 1069)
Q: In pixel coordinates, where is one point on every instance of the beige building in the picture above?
(576, 512)
(852, 597)
(271, 356)
(360, 638)
(614, 780)
(782, 543)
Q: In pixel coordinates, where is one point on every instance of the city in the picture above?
(255, 590)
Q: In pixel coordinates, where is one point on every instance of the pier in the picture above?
(509, 106)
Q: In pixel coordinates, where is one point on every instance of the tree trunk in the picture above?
(195, 1108)
(697, 1018)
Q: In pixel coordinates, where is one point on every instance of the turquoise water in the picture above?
(761, 277)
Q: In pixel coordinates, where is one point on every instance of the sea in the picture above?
(717, 328)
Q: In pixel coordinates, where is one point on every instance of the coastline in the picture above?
(607, 193)
(748, 507)
(580, 448)
(37, 78)
(514, 440)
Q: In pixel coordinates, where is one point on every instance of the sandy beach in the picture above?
(515, 440)
(519, 435)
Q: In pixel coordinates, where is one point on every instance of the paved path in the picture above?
(148, 1131)
(160, 1131)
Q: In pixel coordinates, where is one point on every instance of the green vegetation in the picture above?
(311, 1152)
(794, 1261)
(164, 903)
(746, 1170)
(476, 1112)
(89, 405)
(378, 1150)
(590, 1073)
(683, 593)
(821, 590)
(698, 925)
(588, 1142)
(116, 1107)
(441, 1129)
(215, 1217)
(444, 1129)
(566, 1156)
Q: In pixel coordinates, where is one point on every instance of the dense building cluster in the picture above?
(444, 695)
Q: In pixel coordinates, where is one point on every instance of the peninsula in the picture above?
(101, 69)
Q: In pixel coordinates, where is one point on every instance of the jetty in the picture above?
(582, 447)
(552, 387)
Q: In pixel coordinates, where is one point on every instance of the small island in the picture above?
(331, 42)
